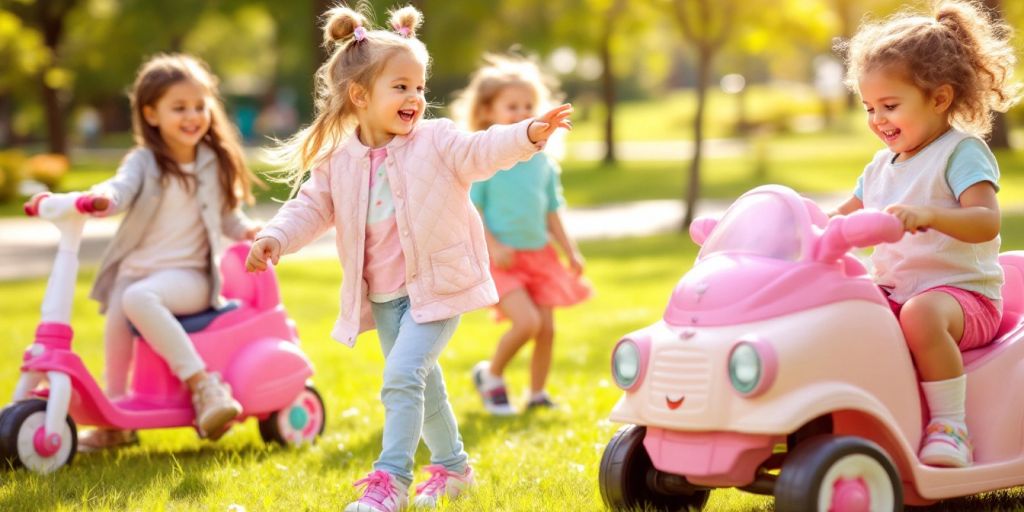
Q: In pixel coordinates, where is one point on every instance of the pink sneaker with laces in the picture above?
(946, 444)
(440, 484)
(382, 493)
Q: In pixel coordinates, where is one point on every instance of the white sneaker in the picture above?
(442, 483)
(492, 390)
(946, 444)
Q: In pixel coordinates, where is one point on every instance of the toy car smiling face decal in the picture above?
(674, 403)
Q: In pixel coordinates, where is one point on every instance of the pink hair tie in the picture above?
(359, 33)
(402, 31)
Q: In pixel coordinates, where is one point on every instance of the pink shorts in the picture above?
(543, 277)
(981, 316)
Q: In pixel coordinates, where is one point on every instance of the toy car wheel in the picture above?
(840, 473)
(23, 440)
(299, 423)
(626, 474)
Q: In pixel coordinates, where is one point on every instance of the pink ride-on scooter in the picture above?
(251, 342)
(778, 368)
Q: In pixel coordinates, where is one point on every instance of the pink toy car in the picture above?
(779, 368)
(251, 342)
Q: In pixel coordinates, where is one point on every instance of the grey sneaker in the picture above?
(492, 392)
(214, 406)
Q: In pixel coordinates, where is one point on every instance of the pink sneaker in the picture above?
(946, 444)
(440, 484)
(383, 493)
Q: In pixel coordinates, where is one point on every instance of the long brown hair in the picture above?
(157, 75)
(353, 61)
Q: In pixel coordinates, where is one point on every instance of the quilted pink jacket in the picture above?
(430, 172)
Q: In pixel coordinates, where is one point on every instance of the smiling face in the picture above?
(902, 115)
(182, 115)
(395, 102)
(512, 104)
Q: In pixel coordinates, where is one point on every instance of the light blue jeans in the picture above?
(414, 397)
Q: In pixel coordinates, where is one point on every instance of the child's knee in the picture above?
(529, 323)
(137, 301)
(401, 378)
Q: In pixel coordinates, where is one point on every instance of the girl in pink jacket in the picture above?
(411, 244)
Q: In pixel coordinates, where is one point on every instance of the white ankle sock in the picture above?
(538, 396)
(491, 381)
(947, 398)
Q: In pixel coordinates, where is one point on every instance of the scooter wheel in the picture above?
(23, 441)
(299, 423)
(626, 474)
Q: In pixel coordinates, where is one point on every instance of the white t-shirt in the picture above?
(929, 259)
(176, 237)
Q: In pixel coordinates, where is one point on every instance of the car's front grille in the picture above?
(680, 373)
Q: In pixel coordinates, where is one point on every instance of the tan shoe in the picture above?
(99, 439)
(214, 406)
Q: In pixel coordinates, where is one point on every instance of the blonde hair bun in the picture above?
(341, 24)
(408, 18)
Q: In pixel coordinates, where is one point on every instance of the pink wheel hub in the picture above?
(850, 495)
(46, 445)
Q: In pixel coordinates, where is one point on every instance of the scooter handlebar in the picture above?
(88, 204)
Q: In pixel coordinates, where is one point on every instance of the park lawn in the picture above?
(541, 461)
(821, 163)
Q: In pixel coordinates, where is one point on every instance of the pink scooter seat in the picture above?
(1013, 305)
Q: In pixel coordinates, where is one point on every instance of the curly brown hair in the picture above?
(961, 44)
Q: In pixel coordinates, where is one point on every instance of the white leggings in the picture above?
(150, 304)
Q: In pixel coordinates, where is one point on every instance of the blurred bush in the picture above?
(12, 167)
(47, 169)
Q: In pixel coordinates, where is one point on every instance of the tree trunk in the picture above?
(608, 94)
(693, 188)
(54, 119)
(1000, 136)
(6, 121)
(51, 17)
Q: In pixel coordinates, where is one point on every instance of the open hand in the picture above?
(914, 218)
(576, 263)
(544, 125)
(263, 250)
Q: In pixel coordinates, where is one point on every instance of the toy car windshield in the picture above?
(760, 224)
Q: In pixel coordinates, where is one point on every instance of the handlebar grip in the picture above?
(31, 206)
(91, 204)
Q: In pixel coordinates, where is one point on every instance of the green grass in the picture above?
(541, 461)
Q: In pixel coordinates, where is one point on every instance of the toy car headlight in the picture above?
(628, 362)
(751, 367)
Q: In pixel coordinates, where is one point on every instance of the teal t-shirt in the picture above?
(515, 202)
(970, 163)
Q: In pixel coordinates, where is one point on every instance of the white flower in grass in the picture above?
(350, 412)
(578, 467)
(235, 507)
(603, 383)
